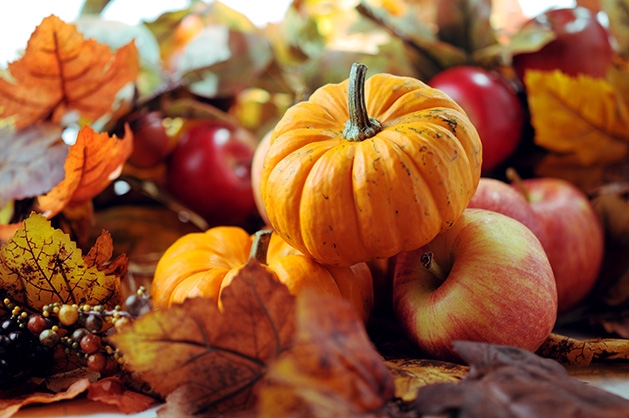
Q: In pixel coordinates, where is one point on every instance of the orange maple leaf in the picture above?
(95, 159)
(62, 72)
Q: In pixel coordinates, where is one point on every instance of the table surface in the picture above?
(611, 377)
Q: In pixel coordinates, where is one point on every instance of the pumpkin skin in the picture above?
(202, 264)
(344, 201)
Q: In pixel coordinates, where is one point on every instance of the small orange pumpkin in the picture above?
(367, 169)
(201, 264)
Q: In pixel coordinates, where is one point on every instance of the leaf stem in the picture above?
(359, 126)
(428, 262)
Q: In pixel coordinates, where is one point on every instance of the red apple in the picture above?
(486, 279)
(498, 196)
(493, 106)
(574, 236)
(581, 46)
(151, 142)
(256, 174)
(209, 171)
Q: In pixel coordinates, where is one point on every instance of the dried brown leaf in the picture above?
(216, 359)
(511, 382)
(112, 391)
(411, 374)
(574, 352)
(10, 407)
(332, 369)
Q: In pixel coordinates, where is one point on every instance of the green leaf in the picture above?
(465, 24)
(221, 62)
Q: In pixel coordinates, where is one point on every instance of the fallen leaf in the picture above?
(410, 374)
(10, 407)
(571, 351)
(61, 72)
(41, 265)
(216, 359)
(582, 117)
(332, 369)
(510, 382)
(94, 161)
(31, 162)
(111, 390)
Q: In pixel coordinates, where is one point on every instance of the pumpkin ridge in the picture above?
(421, 201)
(327, 240)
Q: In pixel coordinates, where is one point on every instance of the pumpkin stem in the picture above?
(359, 126)
(516, 180)
(428, 262)
(260, 246)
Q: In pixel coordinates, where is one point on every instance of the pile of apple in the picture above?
(207, 165)
(523, 252)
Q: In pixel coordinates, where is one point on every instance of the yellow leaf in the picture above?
(411, 374)
(42, 265)
(579, 116)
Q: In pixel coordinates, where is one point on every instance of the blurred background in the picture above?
(17, 25)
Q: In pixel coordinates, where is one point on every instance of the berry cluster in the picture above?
(31, 340)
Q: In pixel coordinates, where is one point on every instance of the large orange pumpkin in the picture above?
(367, 169)
(200, 264)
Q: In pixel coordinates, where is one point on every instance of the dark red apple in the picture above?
(209, 171)
(582, 44)
(493, 106)
(151, 142)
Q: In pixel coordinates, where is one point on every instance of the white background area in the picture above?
(18, 19)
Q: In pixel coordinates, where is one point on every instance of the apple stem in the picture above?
(260, 245)
(359, 126)
(516, 180)
(428, 262)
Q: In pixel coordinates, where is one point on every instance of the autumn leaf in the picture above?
(41, 265)
(112, 391)
(410, 374)
(510, 382)
(571, 351)
(10, 407)
(333, 368)
(581, 117)
(216, 359)
(61, 72)
(109, 390)
(31, 162)
(94, 161)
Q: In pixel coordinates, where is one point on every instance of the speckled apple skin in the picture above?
(499, 288)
